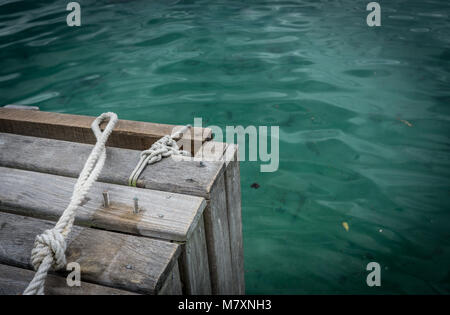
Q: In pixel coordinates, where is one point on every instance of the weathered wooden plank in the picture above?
(194, 258)
(111, 259)
(218, 240)
(13, 281)
(127, 134)
(174, 175)
(217, 225)
(67, 159)
(233, 192)
(202, 189)
(172, 286)
(217, 151)
(163, 215)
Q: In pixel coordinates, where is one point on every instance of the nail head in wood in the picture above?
(106, 199)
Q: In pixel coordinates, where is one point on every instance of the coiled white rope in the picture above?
(164, 147)
(49, 247)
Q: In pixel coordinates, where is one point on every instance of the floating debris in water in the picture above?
(255, 185)
(346, 226)
(406, 122)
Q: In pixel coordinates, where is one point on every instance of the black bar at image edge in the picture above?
(246, 303)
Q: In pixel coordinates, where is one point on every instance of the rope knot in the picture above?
(49, 247)
(164, 147)
(52, 244)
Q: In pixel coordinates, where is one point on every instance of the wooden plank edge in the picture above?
(234, 208)
(195, 263)
(26, 193)
(174, 173)
(173, 284)
(14, 280)
(127, 134)
(100, 264)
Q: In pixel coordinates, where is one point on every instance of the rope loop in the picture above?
(50, 246)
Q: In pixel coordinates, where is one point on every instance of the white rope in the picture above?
(49, 247)
(164, 147)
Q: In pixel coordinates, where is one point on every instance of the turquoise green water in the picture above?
(363, 115)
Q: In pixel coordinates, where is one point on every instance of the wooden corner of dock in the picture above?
(186, 237)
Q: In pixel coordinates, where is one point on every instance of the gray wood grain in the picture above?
(13, 281)
(178, 175)
(173, 217)
(172, 286)
(233, 191)
(194, 259)
(68, 158)
(111, 259)
(217, 151)
(163, 215)
(218, 240)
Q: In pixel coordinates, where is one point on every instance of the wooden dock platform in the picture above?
(186, 238)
